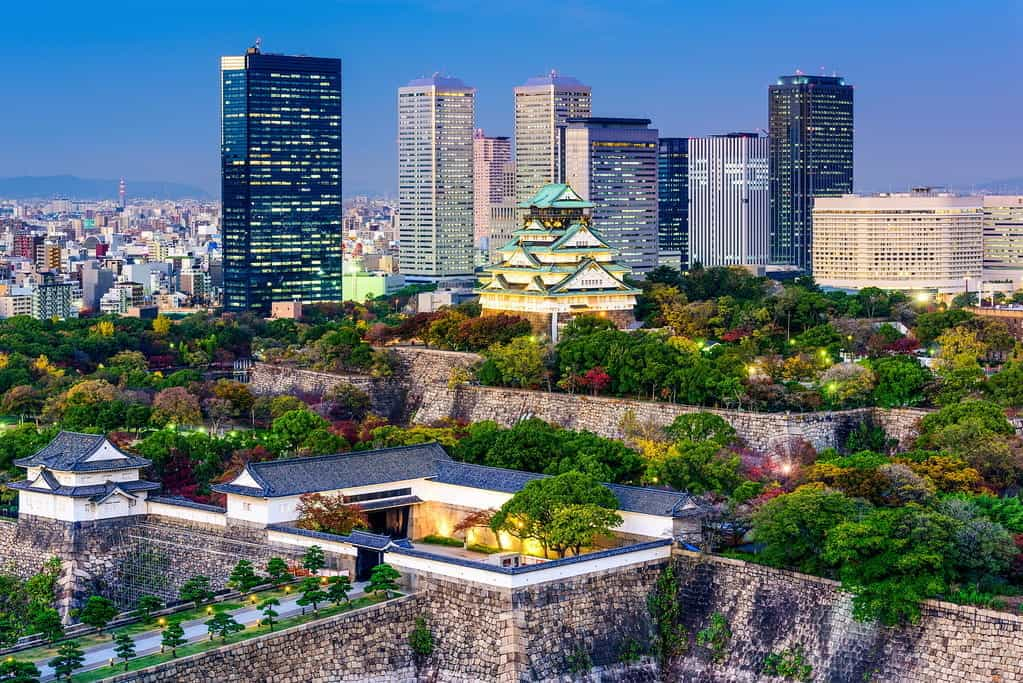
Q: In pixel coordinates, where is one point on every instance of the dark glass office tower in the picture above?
(811, 130)
(673, 196)
(280, 179)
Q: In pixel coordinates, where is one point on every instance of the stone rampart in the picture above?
(770, 610)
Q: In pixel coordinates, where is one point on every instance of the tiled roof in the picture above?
(70, 451)
(359, 538)
(94, 491)
(339, 471)
(386, 503)
(630, 498)
(557, 195)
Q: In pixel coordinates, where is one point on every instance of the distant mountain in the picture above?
(73, 187)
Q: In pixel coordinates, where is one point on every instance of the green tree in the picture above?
(68, 660)
(383, 579)
(794, 526)
(13, 671)
(176, 405)
(574, 527)
(243, 577)
(98, 612)
(338, 588)
(901, 381)
(295, 426)
(196, 589)
(146, 605)
(312, 593)
(46, 621)
(891, 560)
(665, 607)
(1006, 385)
(124, 648)
(173, 637)
(530, 513)
(269, 613)
(223, 625)
(420, 640)
(520, 362)
(697, 467)
(701, 427)
(314, 559)
(277, 571)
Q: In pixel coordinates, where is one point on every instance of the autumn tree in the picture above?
(329, 514)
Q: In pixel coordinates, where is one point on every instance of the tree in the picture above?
(347, 402)
(125, 648)
(847, 385)
(383, 579)
(277, 571)
(314, 559)
(701, 427)
(665, 607)
(1006, 385)
(420, 640)
(295, 426)
(794, 526)
(13, 671)
(243, 577)
(520, 362)
(312, 593)
(98, 612)
(901, 381)
(196, 589)
(70, 658)
(173, 637)
(329, 514)
(338, 588)
(223, 625)
(530, 513)
(161, 326)
(577, 526)
(269, 613)
(47, 622)
(176, 405)
(891, 560)
(697, 467)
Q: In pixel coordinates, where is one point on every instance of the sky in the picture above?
(109, 89)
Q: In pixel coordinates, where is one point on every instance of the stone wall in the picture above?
(769, 610)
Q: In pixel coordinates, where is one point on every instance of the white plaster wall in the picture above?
(92, 478)
(187, 514)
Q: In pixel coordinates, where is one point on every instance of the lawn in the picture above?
(203, 645)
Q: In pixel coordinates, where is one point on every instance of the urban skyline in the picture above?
(898, 118)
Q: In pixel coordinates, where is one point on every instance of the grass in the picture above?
(434, 539)
(204, 645)
(486, 549)
(135, 628)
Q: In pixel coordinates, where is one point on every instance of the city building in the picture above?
(493, 179)
(52, 299)
(917, 242)
(281, 179)
(810, 127)
(15, 301)
(557, 266)
(1003, 240)
(96, 281)
(47, 256)
(729, 203)
(360, 284)
(612, 162)
(435, 179)
(673, 201)
(543, 106)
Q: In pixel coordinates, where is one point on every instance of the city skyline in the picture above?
(73, 116)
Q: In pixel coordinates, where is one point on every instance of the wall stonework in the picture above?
(769, 610)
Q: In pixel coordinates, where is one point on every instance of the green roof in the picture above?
(556, 195)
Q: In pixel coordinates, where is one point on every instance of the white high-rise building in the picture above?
(542, 107)
(917, 241)
(493, 178)
(1003, 240)
(612, 163)
(435, 184)
(729, 200)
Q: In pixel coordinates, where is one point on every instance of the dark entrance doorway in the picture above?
(365, 561)
(391, 522)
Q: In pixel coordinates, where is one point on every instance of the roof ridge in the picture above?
(545, 475)
(307, 458)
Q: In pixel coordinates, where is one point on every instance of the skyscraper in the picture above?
(673, 200)
(728, 200)
(1003, 239)
(435, 184)
(493, 178)
(810, 121)
(280, 179)
(612, 163)
(542, 107)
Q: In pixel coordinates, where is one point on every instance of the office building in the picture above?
(810, 126)
(435, 183)
(918, 241)
(612, 163)
(1003, 239)
(729, 203)
(281, 179)
(96, 281)
(543, 106)
(673, 201)
(493, 178)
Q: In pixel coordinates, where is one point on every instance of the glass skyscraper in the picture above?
(810, 120)
(673, 198)
(280, 179)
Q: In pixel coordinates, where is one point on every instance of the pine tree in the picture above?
(125, 648)
(69, 658)
(173, 637)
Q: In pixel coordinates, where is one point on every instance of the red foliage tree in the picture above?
(329, 514)
(597, 380)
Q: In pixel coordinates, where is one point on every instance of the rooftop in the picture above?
(438, 81)
(74, 452)
(556, 195)
(335, 472)
(555, 79)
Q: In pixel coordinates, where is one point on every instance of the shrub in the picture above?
(434, 539)
(789, 663)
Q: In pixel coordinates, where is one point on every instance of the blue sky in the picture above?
(104, 89)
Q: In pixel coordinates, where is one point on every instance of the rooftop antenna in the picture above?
(258, 44)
